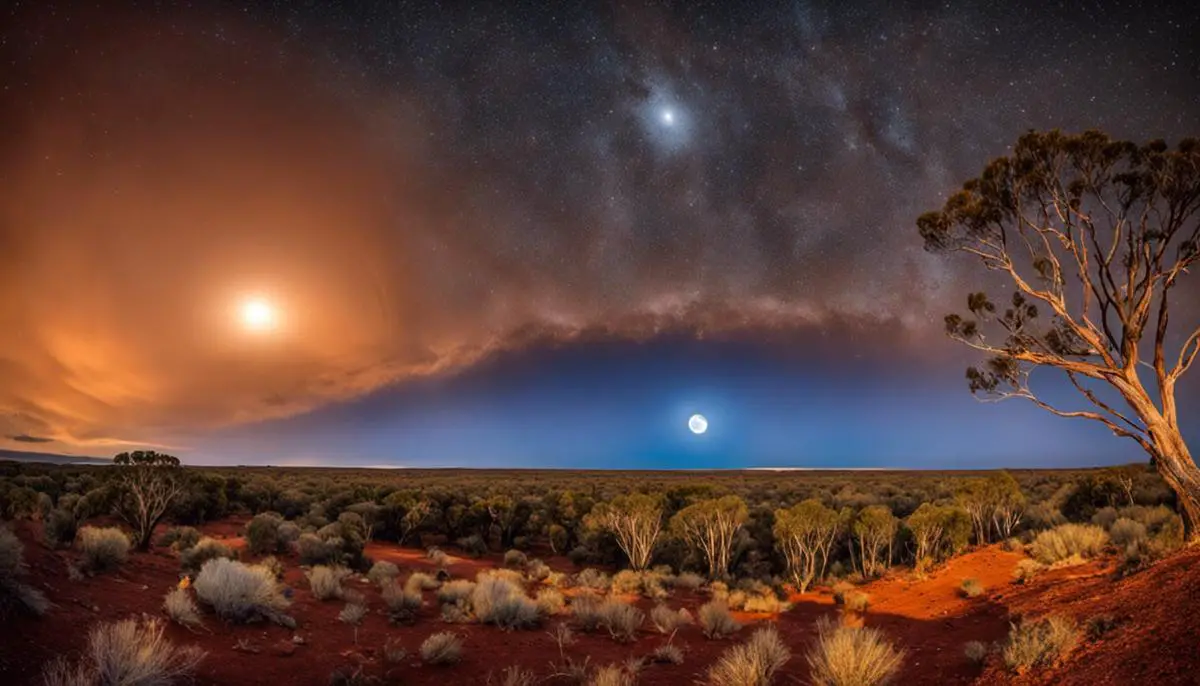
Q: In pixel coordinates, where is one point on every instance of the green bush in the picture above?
(179, 538)
(262, 534)
(193, 558)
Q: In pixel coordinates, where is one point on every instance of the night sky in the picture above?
(533, 234)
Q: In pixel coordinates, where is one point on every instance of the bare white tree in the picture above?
(149, 483)
(709, 526)
(635, 520)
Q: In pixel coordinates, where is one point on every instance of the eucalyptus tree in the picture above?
(1095, 238)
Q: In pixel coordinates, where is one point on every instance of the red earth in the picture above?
(1156, 640)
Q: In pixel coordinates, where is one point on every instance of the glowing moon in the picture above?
(258, 315)
(668, 118)
(698, 424)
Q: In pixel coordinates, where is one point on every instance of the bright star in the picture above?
(668, 117)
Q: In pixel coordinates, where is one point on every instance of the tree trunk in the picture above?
(1178, 469)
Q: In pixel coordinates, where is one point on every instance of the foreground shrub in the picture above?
(382, 570)
(620, 619)
(715, 620)
(326, 582)
(752, 663)
(240, 593)
(15, 595)
(179, 538)
(104, 548)
(666, 620)
(667, 654)
(612, 675)
(181, 609)
(126, 653)
(593, 578)
(454, 591)
(550, 601)
(421, 581)
(514, 676)
(1042, 643)
(498, 601)
(970, 588)
(1027, 569)
(851, 656)
(1068, 543)
(402, 603)
(205, 549)
(262, 534)
(442, 648)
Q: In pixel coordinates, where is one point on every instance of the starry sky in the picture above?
(534, 234)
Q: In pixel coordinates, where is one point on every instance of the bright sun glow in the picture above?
(698, 424)
(258, 315)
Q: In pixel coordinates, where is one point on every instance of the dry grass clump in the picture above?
(381, 571)
(420, 581)
(613, 675)
(715, 620)
(193, 558)
(104, 548)
(1026, 569)
(688, 581)
(1040, 644)
(536, 570)
(326, 582)
(454, 591)
(621, 620)
(402, 603)
(851, 656)
(442, 648)
(515, 558)
(498, 601)
(752, 663)
(513, 676)
(970, 588)
(667, 654)
(180, 607)
(1068, 544)
(179, 538)
(646, 583)
(550, 601)
(976, 652)
(15, 595)
(353, 613)
(241, 593)
(594, 579)
(126, 653)
(437, 556)
(666, 620)
(393, 652)
(763, 600)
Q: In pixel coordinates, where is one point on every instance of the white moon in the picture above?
(698, 424)
(258, 315)
(668, 118)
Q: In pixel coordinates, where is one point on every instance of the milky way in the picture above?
(421, 185)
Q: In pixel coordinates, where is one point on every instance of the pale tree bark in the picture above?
(1095, 236)
(149, 483)
(635, 521)
(710, 526)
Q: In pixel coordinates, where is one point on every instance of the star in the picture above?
(668, 116)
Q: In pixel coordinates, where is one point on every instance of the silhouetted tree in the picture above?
(1095, 236)
(148, 483)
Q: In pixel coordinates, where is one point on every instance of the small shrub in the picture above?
(551, 602)
(536, 570)
(840, 590)
(515, 558)
(126, 653)
(273, 564)
(454, 591)
(457, 613)
(514, 676)
(498, 601)
(439, 558)
(393, 652)
(850, 656)
(382, 570)
(752, 663)
(179, 538)
(1100, 625)
(715, 620)
(666, 620)
(689, 581)
(593, 578)
(627, 581)
(970, 588)
(621, 620)
(1068, 544)
(241, 593)
(402, 603)
(353, 613)
(1013, 545)
(976, 652)
(442, 648)
(611, 675)
(326, 582)
(766, 602)
(314, 550)
(180, 607)
(193, 558)
(420, 581)
(857, 601)
(59, 527)
(1039, 644)
(667, 654)
(262, 534)
(103, 549)
(15, 595)
(1126, 532)
(1026, 569)
(473, 545)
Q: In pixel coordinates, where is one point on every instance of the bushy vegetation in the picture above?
(970, 588)
(15, 594)
(752, 663)
(715, 619)
(193, 558)
(1068, 544)
(620, 619)
(241, 593)
(852, 656)
(1040, 643)
(497, 600)
(326, 582)
(129, 652)
(104, 548)
(180, 607)
(381, 571)
(442, 648)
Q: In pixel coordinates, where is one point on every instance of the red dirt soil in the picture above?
(1156, 643)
